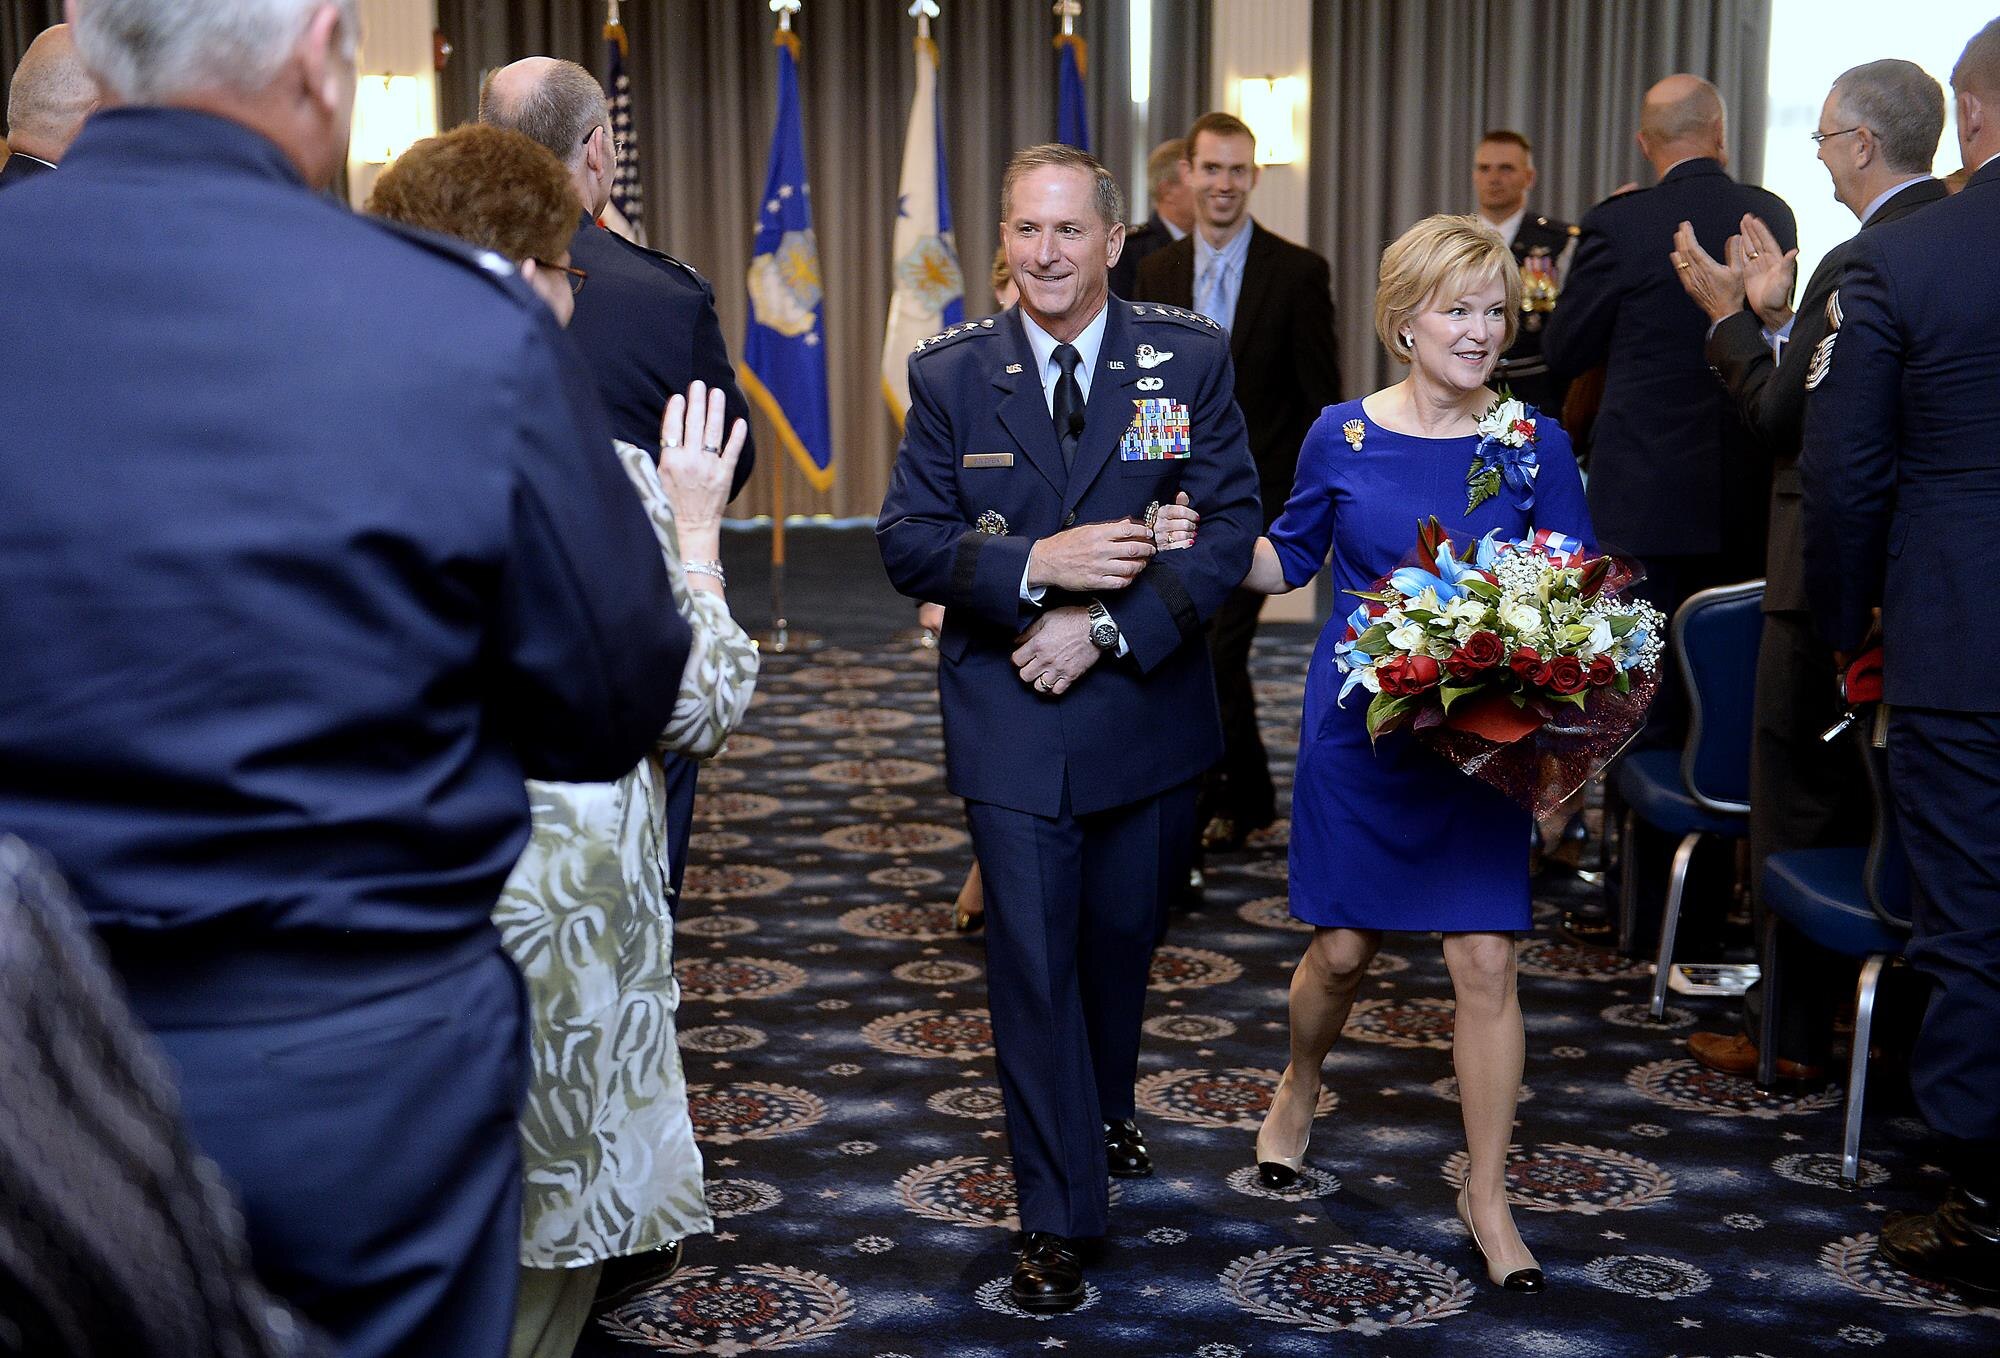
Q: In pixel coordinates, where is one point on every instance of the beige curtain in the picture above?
(1403, 89)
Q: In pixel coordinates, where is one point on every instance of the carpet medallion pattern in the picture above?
(840, 1060)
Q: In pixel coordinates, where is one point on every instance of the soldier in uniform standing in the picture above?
(1036, 443)
(1503, 170)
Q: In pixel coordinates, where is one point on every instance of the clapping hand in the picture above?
(1716, 288)
(1769, 271)
(1174, 526)
(696, 466)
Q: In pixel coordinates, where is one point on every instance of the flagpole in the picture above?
(779, 638)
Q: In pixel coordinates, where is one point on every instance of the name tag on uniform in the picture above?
(988, 460)
(1158, 432)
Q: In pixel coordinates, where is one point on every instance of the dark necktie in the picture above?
(1068, 405)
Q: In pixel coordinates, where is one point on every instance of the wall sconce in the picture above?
(391, 113)
(1270, 105)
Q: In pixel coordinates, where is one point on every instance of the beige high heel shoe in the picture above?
(1527, 1279)
(1279, 1172)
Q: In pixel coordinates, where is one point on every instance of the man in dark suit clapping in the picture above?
(1901, 472)
(1671, 472)
(47, 100)
(1878, 132)
(1275, 300)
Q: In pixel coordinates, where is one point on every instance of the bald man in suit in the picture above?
(50, 96)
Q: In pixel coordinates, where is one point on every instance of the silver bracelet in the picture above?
(713, 568)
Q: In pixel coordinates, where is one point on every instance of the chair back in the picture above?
(1886, 874)
(1716, 634)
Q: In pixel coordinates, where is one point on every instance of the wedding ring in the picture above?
(710, 448)
(1680, 264)
(672, 446)
(1753, 254)
(1043, 683)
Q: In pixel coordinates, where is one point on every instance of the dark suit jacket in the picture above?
(1671, 472)
(1282, 344)
(19, 169)
(957, 528)
(1901, 466)
(372, 559)
(1770, 394)
(1141, 243)
(647, 326)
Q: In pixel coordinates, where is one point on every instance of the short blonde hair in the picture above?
(1441, 256)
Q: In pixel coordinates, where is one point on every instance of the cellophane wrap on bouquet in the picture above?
(1522, 662)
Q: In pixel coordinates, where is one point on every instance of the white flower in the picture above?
(1521, 618)
(1600, 637)
(1408, 637)
(1369, 680)
(1498, 423)
(1466, 609)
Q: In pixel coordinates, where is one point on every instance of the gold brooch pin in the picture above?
(1354, 429)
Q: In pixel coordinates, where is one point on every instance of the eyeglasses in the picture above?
(575, 276)
(1820, 137)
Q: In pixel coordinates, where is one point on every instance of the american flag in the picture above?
(625, 213)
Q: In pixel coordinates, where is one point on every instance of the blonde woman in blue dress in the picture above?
(1393, 838)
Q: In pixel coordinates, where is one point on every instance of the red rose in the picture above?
(1603, 669)
(1401, 675)
(1481, 651)
(1525, 661)
(1526, 429)
(1563, 674)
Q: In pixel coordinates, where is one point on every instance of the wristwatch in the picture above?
(1103, 631)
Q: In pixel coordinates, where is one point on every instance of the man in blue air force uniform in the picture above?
(1078, 704)
(1901, 472)
(320, 553)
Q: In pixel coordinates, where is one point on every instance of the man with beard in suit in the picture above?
(1275, 301)
(1171, 220)
(50, 96)
(1878, 133)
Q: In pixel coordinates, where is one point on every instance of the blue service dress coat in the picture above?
(315, 545)
(980, 478)
(1901, 470)
(1390, 835)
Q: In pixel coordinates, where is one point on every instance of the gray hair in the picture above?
(1163, 166)
(153, 51)
(561, 111)
(1900, 104)
(1109, 197)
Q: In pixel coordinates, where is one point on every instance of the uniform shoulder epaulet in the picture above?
(953, 334)
(1193, 320)
(663, 258)
(488, 264)
(1573, 229)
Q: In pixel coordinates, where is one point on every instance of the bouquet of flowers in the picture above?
(1518, 661)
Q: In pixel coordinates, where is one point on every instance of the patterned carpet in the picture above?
(841, 1060)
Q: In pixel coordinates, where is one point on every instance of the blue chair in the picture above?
(1705, 788)
(1852, 901)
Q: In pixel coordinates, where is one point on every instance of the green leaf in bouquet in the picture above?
(1451, 693)
(1421, 615)
(1374, 641)
(1572, 634)
(1623, 683)
(1386, 713)
(1478, 488)
(1575, 700)
(1484, 590)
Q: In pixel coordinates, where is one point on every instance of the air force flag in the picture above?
(784, 347)
(929, 286)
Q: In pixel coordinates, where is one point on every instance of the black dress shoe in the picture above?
(1958, 1244)
(1049, 1276)
(626, 1276)
(1125, 1150)
(1589, 928)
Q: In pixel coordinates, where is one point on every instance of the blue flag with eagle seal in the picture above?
(784, 346)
